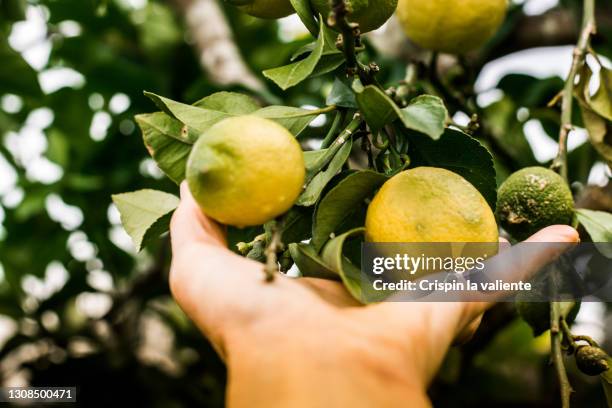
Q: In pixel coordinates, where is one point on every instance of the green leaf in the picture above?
(196, 117)
(218, 107)
(425, 113)
(145, 214)
(229, 102)
(341, 95)
(377, 108)
(508, 132)
(327, 64)
(600, 132)
(596, 111)
(290, 75)
(313, 190)
(306, 14)
(162, 137)
(294, 119)
(311, 157)
(350, 274)
(297, 225)
(460, 153)
(309, 263)
(598, 224)
(601, 102)
(341, 202)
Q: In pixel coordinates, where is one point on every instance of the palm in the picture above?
(227, 297)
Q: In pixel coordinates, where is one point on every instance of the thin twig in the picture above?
(557, 353)
(271, 267)
(350, 41)
(333, 148)
(331, 134)
(588, 29)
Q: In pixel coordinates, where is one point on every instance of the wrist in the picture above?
(344, 371)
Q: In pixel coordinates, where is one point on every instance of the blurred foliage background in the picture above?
(79, 307)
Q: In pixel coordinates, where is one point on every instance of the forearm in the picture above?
(290, 380)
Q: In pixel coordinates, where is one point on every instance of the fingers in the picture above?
(210, 283)
(524, 260)
(189, 225)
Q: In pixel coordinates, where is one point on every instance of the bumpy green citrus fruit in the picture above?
(369, 14)
(429, 204)
(535, 310)
(452, 26)
(269, 9)
(531, 199)
(245, 171)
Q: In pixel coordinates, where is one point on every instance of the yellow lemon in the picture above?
(429, 204)
(451, 26)
(245, 171)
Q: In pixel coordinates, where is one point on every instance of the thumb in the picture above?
(189, 225)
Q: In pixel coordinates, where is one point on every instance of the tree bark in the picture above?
(213, 41)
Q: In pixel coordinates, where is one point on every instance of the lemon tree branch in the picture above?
(351, 39)
(588, 29)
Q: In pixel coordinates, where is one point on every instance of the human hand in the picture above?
(306, 342)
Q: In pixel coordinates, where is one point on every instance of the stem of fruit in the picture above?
(588, 28)
(271, 266)
(345, 135)
(329, 138)
(321, 111)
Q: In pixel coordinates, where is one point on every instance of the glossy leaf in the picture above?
(290, 75)
(213, 109)
(341, 202)
(305, 13)
(352, 278)
(198, 118)
(460, 153)
(163, 137)
(598, 224)
(377, 108)
(426, 114)
(341, 95)
(145, 214)
(313, 190)
(229, 102)
(309, 263)
(294, 119)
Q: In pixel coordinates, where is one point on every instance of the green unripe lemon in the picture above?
(531, 199)
(268, 9)
(245, 170)
(535, 311)
(369, 14)
(451, 26)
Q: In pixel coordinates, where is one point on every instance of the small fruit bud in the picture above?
(244, 247)
(592, 360)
